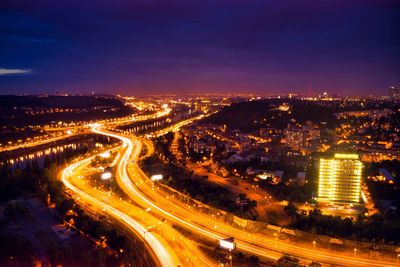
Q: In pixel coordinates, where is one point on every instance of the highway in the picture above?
(146, 194)
(150, 206)
(161, 238)
(177, 126)
(160, 252)
(39, 142)
(77, 130)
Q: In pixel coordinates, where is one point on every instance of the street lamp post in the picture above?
(276, 240)
(355, 253)
(314, 245)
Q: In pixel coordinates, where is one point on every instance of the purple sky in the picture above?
(143, 47)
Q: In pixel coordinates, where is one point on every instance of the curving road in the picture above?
(161, 255)
(143, 192)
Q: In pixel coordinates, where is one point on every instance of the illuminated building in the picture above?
(394, 92)
(340, 179)
(299, 137)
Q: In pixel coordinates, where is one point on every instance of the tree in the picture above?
(255, 261)
(16, 251)
(291, 210)
(288, 261)
(272, 217)
(314, 264)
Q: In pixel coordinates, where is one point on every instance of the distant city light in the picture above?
(263, 176)
(284, 107)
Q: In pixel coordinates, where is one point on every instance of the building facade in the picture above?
(340, 179)
(394, 92)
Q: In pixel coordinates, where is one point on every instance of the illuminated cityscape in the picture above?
(191, 134)
(340, 179)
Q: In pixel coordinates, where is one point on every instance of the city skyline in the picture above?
(142, 48)
(170, 133)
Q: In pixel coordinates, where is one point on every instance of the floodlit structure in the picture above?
(106, 175)
(156, 177)
(340, 179)
(105, 155)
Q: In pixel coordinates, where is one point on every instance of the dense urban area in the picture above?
(200, 180)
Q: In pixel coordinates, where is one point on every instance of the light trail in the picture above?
(128, 185)
(39, 142)
(164, 256)
(177, 126)
(254, 243)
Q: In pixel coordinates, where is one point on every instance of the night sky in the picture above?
(144, 47)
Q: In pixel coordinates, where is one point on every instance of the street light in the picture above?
(314, 244)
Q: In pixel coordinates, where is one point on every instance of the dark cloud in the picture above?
(144, 46)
